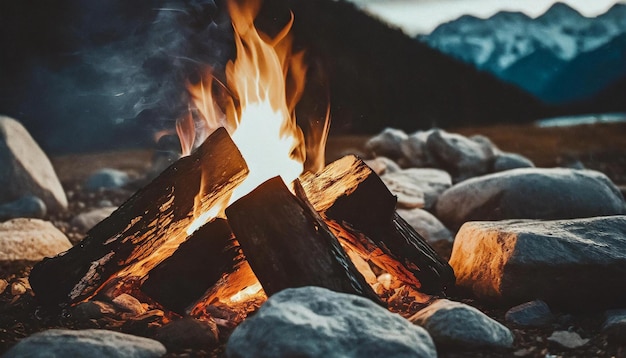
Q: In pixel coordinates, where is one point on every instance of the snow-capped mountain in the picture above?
(532, 53)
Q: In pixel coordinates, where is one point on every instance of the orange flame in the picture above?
(264, 84)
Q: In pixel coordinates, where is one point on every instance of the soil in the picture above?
(600, 147)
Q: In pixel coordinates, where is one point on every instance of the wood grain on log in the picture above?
(288, 245)
(360, 210)
(146, 229)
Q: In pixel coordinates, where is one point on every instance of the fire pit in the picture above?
(250, 211)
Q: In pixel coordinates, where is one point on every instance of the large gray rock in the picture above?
(570, 264)
(30, 240)
(427, 181)
(28, 206)
(414, 150)
(462, 157)
(26, 170)
(387, 143)
(530, 193)
(457, 325)
(426, 224)
(615, 325)
(316, 322)
(88, 343)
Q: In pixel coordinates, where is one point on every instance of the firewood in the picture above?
(360, 210)
(146, 229)
(198, 263)
(288, 245)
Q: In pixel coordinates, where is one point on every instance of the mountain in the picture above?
(380, 77)
(540, 55)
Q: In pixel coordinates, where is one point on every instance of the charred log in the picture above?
(288, 245)
(145, 229)
(210, 252)
(361, 211)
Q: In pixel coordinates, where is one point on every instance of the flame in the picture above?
(263, 85)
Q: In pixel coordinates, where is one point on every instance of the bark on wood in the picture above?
(360, 210)
(288, 245)
(145, 229)
(198, 263)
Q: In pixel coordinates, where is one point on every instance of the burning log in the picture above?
(146, 229)
(288, 244)
(361, 211)
(208, 254)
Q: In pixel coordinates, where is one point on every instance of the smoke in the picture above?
(113, 73)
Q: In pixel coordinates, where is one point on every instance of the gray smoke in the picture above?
(126, 76)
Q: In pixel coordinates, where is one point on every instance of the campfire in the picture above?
(249, 209)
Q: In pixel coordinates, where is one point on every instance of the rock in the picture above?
(107, 178)
(567, 339)
(573, 264)
(3, 285)
(87, 343)
(409, 194)
(30, 240)
(26, 170)
(457, 325)
(460, 156)
(18, 288)
(129, 303)
(507, 161)
(426, 224)
(615, 325)
(188, 333)
(85, 221)
(387, 143)
(28, 206)
(382, 165)
(530, 193)
(316, 322)
(430, 182)
(414, 150)
(530, 314)
(92, 310)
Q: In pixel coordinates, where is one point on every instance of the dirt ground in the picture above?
(600, 147)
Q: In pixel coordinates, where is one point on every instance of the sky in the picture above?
(422, 16)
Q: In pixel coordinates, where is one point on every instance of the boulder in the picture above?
(87, 343)
(507, 161)
(426, 224)
(462, 157)
(457, 325)
(387, 143)
(30, 240)
(382, 165)
(430, 182)
(316, 322)
(26, 170)
(107, 178)
(414, 150)
(530, 314)
(575, 264)
(28, 206)
(85, 221)
(530, 193)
